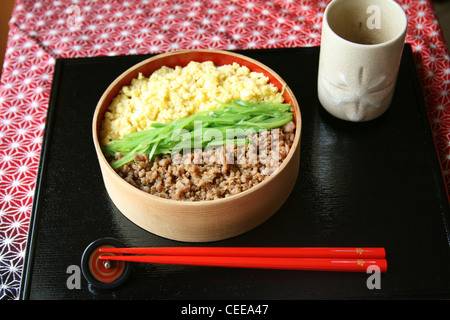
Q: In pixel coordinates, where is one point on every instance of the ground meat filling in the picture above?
(211, 173)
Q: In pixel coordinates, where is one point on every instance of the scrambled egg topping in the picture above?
(176, 93)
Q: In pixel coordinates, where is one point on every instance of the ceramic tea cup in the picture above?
(361, 47)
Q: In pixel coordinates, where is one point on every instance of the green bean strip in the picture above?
(205, 129)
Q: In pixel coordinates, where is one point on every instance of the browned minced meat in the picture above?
(211, 173)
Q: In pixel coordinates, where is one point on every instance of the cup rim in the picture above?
(398, 36)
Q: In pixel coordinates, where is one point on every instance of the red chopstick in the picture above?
(285, 252)
(320, 259)
(319, 264)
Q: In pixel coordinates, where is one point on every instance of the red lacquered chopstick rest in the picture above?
(105, 261)
(103, 274)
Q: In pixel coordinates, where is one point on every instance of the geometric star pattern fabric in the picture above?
(44, 30)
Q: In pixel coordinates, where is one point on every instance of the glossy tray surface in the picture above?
(360, 185)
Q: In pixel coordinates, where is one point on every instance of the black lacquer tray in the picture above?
(360, 184)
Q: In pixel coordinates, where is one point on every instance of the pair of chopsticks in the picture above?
(287, 258)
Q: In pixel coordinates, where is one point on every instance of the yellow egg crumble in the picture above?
(176, 93)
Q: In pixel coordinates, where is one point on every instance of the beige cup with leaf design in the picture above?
(361, 47)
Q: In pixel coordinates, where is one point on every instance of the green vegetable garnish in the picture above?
(204, 129)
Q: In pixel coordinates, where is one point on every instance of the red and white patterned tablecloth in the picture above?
(42, 31)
